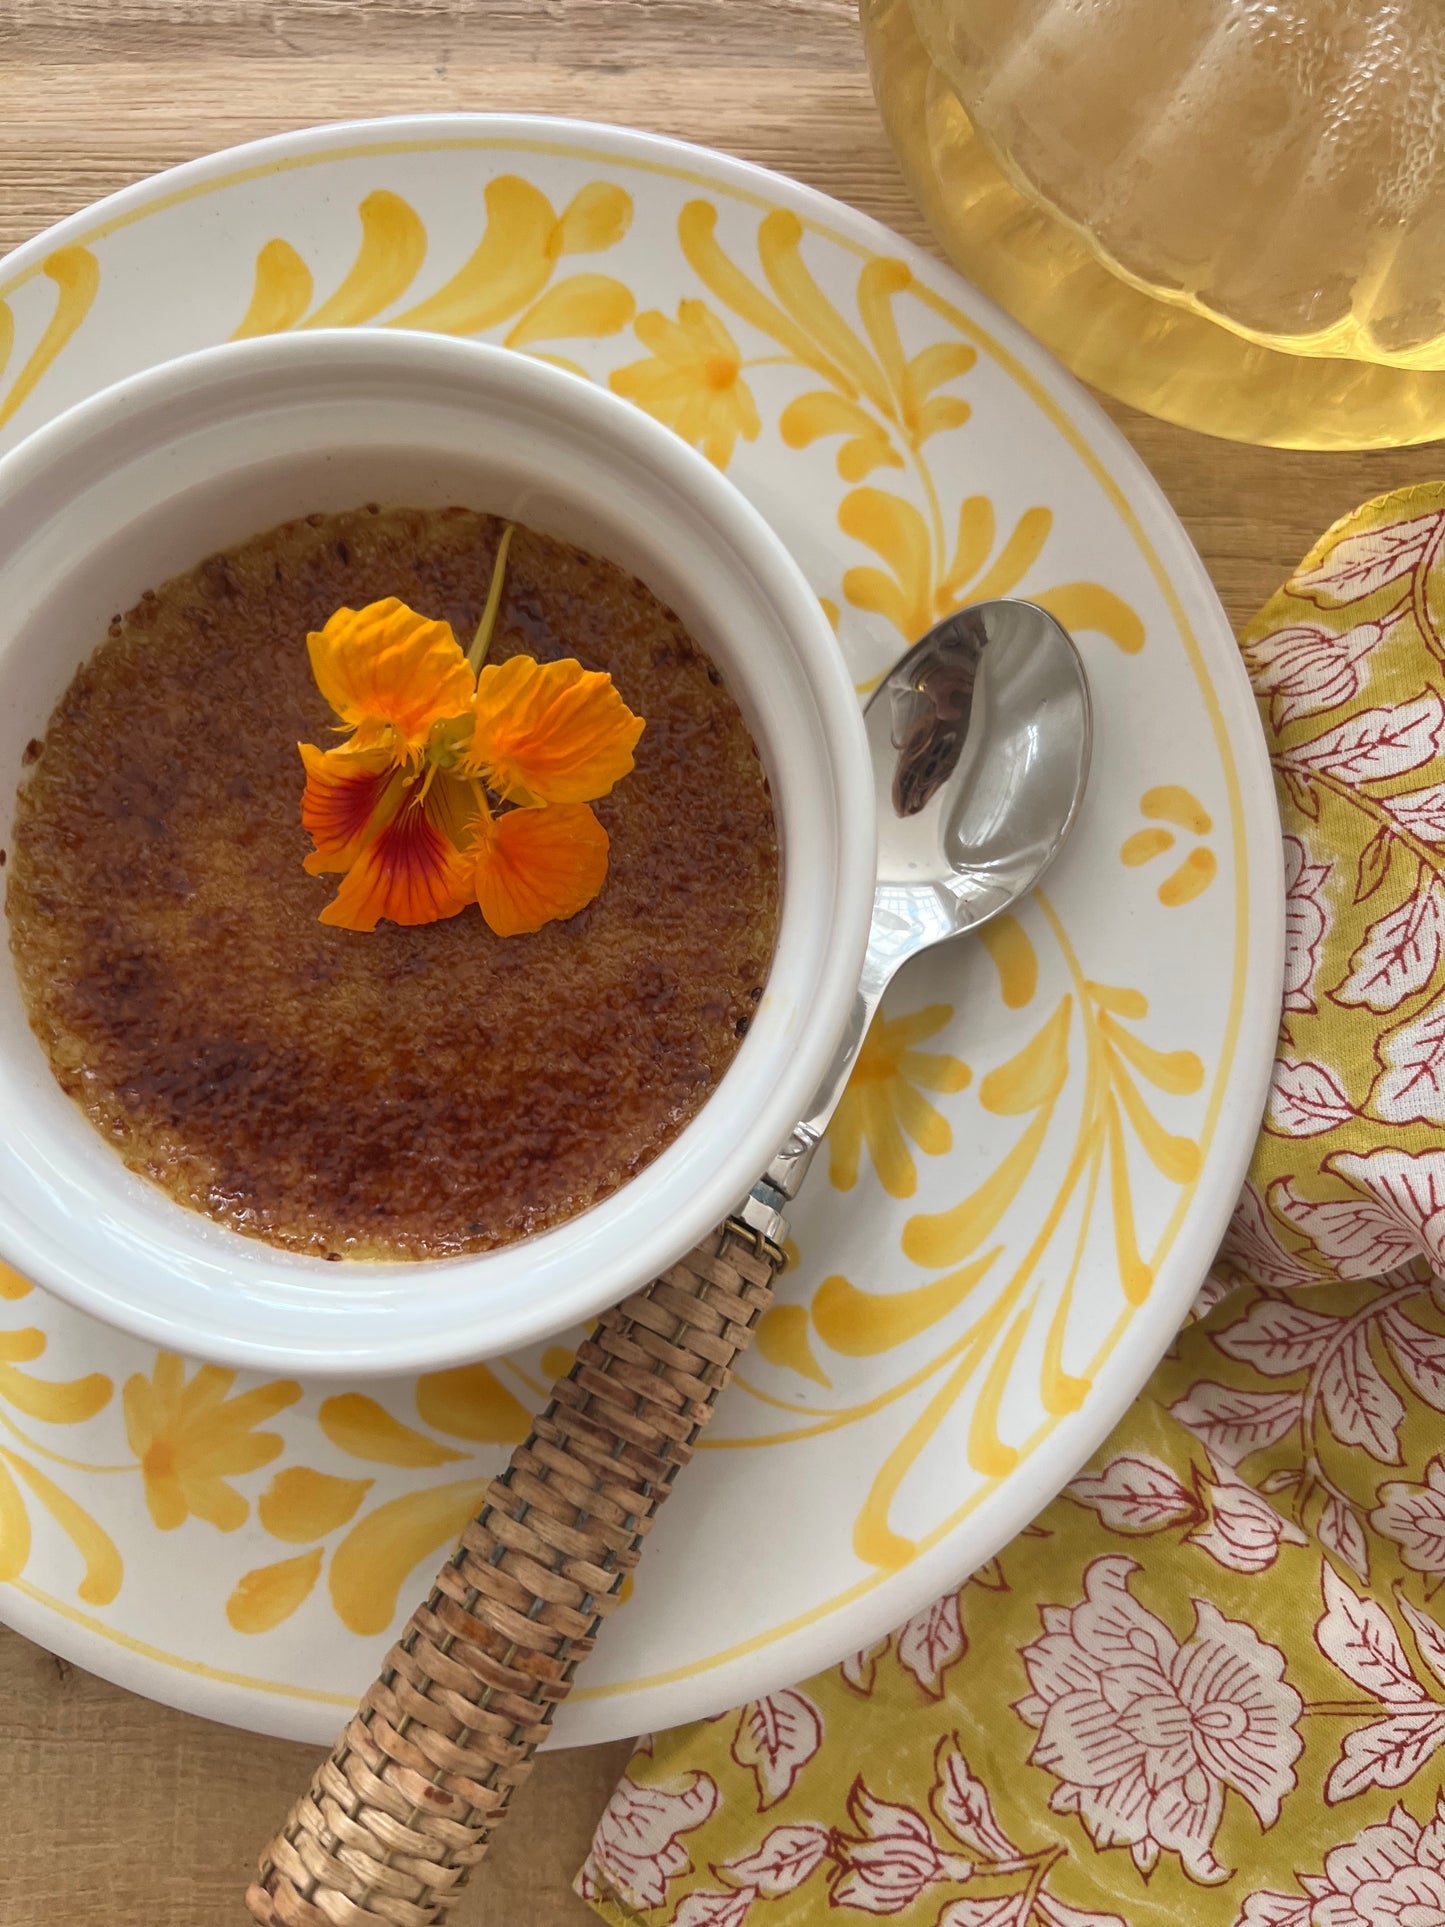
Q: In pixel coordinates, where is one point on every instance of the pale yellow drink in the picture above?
(1229, 212)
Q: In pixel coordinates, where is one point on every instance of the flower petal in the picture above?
(556, 731)
(348, 795)
(390, 673)
(410, 872)
(538, 866)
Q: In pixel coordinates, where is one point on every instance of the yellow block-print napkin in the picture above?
(1208, 1684)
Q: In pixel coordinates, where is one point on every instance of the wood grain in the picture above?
(104, 1793)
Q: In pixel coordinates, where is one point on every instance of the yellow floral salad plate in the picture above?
(1047, 1130)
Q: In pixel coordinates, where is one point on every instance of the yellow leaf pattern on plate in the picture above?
(103, 1567)
(12, 1285)
(380, 1553)
(1171, 803)
(67, 1403)
(48, 1402)
(1014, 958)
(14, 1528)
(393, 247)
(507, 275)
(355, 1423)
(471, 1403)
(301, 1504)
(584, 304)
(782, 1339)
(268, 1595)
(369, 1564)
(1177, 805)
(76, 274)
(281, 295)
(860, 1324)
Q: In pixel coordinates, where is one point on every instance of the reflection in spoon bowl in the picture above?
(980, 739)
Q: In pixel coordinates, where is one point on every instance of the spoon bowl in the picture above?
(980, 739)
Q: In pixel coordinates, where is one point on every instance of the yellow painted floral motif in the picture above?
(268, 1595)
(76, 275)
(1170, 803)
(1098, 1020)
(882, 405)
(782, 1339)
(191, 1439)
(371, 1559)
(300, 1505)
(510, 273)
(557, 1361)
(1014, 958)
(884, 1102)
(12, 1285)
(692, 381)
(25, 1400)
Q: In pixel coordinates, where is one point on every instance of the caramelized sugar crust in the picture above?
(410, 1093)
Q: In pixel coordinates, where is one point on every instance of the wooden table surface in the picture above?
(122, 1814)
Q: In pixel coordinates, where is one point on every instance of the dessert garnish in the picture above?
(460, 782)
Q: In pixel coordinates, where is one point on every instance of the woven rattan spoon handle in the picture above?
(405, 1807)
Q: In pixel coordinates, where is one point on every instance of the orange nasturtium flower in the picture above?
(458, 786)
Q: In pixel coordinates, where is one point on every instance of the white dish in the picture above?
(146, 480)
(817, 1516)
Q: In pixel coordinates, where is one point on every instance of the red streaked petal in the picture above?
(409, 872)
(348, 794)
(538, 866)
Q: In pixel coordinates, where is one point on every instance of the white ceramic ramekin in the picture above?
(145, 480)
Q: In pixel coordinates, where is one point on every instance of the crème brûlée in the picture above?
(406, 1093)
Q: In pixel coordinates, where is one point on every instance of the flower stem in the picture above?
(482, 641)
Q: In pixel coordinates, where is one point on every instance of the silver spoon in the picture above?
(980, 737)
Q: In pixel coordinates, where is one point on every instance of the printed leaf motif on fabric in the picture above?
(931, 1641)
(638, 1843)
(1359, 564)
(1252, 1245)
(1305, 1100)
(1414, 1517)
(1377, 744)
(1134, 1494)
(1234, 1423)
(961, 1802)
(1307, 922)
(1400, 954)
(783, 1861)
(1410, 1088)
(712, 1908)
(891, 1856)
(776, 1737)
(1357, 1634)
